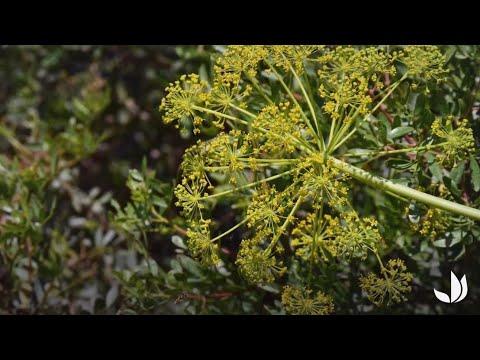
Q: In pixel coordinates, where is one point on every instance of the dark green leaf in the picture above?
(400, 164)
(475, 171)
(382, 133)
(457, 173)
(450, 239)
(435, 169)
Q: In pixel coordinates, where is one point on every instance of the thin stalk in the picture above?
(17, 145)
(230, 230)
(213, 112)
(312, 110)
(318, 218)
(258, 88)
(248, 185)
(398, 151)
(274, 161)
(246, 112)
(292, 97)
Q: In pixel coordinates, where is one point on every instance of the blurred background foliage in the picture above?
(87, 222)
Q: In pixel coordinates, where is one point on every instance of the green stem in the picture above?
(246, 112)
(401, 190)
(273, 161)
(230, 230)
(312, 110)
(398, 151)
(380, 262)
(248, 185)
(259, 89)
(213, 112)
(318, 218)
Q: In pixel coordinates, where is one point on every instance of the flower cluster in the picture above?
(351, 236)
(459, 142)
(280, 126)
(239, 59)
(278, 162)
(346, 76)
(182, 97)
(189, 195)
(303, 302)
(320, 179)
(292, 56)
(258, 265)
(200, 244)
(391, 286)
(226, 93)
(309, 241)
(424, 61)
(267, 208)
(430, 224)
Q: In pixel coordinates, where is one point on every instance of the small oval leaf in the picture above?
(400, 131)
(475, 170)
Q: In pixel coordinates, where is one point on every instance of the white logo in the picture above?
(458, 290)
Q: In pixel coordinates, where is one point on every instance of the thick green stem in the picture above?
(401, 190)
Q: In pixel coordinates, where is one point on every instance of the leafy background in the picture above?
(75, 119)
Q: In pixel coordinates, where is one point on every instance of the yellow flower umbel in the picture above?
(351, 236)
(189, 195)
(182, 97)
(227, 154)
(391, 287)
(292, 56)
(227, 93)
(431, 223)
(201, 245)
(459, 143)
(267, 208)
(309, 239)
(282, 154)
(424, 61)
(303, 302)
(239, 59)
(345, 78)
(258, 266)
(280, 126)
(319, 180)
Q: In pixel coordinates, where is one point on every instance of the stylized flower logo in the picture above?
(458, 290)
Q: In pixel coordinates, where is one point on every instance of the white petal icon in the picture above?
(458, 290)
(463, 282)
(441, 296)
(455, 288)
